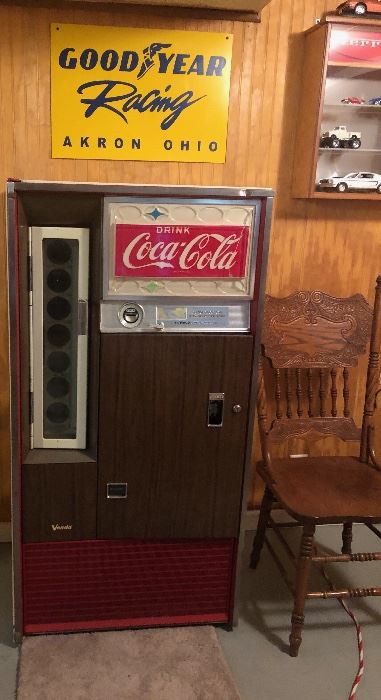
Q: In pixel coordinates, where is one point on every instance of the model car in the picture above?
(374, 101)
(353, 101)
(352, 181)
(359, 8)
(340, 137)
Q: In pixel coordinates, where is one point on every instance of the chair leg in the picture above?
(259, 538)
(347, 539)
(301, 584)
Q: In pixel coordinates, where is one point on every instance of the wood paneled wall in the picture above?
(335, 246)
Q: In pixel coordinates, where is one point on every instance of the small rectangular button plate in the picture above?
(116, 490)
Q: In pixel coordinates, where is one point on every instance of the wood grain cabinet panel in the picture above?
(59, 502)
(184, 479)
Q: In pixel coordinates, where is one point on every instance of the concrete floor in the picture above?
(256, 650)
(328, 657)
(8, 651)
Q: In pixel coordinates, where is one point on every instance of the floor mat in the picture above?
(158, 664)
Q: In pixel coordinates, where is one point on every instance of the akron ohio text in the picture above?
(135, 144)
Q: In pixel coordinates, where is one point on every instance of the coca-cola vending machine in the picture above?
(135, 322)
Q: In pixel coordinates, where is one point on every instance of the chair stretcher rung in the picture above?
(347, 593)
(342, 558)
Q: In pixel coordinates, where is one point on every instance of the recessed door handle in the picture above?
(216, 410)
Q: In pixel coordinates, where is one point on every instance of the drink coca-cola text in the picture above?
(180, 251)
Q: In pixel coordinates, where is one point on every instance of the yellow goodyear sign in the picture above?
(139, 94)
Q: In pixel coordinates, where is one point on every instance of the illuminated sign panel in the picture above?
(152, 250)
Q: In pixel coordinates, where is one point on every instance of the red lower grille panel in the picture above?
(126, 583)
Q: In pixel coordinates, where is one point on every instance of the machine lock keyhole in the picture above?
(130, 315)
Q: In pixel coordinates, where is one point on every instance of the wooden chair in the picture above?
(309, 342)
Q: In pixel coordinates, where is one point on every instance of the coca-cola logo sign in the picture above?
(150, 250)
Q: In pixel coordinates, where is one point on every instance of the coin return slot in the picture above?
(116, 490)
(215, 410)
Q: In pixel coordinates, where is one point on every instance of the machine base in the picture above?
(114, 584)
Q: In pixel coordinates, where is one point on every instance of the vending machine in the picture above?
(134, 316)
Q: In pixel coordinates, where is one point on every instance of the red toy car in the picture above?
(353, 101)
(359, 8)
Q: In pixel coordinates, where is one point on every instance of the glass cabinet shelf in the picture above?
(352, 152)
(361, 108)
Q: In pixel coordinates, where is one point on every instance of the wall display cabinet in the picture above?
(338, 141)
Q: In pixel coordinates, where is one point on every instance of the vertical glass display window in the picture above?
(58, 320)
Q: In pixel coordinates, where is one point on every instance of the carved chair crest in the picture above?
(314, 329)
(307, 337)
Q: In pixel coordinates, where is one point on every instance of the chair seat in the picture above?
(328, 489)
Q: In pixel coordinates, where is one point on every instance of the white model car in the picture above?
(352, 181)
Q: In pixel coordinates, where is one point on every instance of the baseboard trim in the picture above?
(5, 532)
(250, 520)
